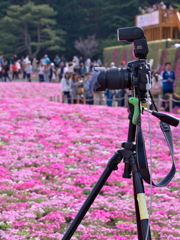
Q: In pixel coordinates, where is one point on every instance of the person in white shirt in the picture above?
(66, 87)
(65, 70)
(87, 67)
(76, 60)
(99, 62)
(112, 65)
(26, 60)
(28, 70)
(88, 61)
(162, 5)
(71, 66)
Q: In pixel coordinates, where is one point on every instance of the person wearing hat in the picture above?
(52, 75)
(123, 64)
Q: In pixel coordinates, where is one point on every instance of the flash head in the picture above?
(137, 37)
(130, 34)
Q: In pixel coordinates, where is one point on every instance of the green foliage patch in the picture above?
(75, 18)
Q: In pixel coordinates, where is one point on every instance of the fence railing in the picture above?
(122, 102)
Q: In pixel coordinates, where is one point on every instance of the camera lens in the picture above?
(113, 78)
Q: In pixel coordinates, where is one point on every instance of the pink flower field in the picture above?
(52, 154)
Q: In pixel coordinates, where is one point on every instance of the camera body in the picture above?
(137, 75)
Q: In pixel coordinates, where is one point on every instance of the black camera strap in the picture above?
(142, 158)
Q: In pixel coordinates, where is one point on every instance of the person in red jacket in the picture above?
(14, 70)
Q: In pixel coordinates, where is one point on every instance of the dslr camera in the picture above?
(137, 75)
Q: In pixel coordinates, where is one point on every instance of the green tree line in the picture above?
(52, 26)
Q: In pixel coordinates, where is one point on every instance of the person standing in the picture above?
(120, 93)
(1, 60)
(23, 67)
(168, 80)
(26, 60)
(87, 93)
(88, 61)
(87, 67)
(18, 68)
(109, 93)
(70, 67)
(112, 65)
(46, 72)
(5, 70)
(41, 72)
(28, 70)
(14, 71)
(52, 75)
(77, 88)
(109, 97)
(47, 60)
(61, 71)
(66, 87)
(75, 84)
(43, 61)
(81, 60)
(63, 59)
(97, 96)
(57, 61)
(99, 62)
(156, 88)
(162, 5)
(14, 58)
(34, 64)
(76, 60)
(1, 63)
(82, 70)
(123, 64)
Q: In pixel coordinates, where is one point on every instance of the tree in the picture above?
(31, 28)
(87, 47)
(76, 18)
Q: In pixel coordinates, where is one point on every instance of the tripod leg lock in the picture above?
(114, 161)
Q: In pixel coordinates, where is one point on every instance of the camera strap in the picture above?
(142, 158)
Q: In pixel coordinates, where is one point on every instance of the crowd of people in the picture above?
(48, 71)
(15, 67)
(164, 84)
(77, 86)
(78, 78)
(149, 9)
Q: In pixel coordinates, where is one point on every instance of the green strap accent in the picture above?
(135, 102)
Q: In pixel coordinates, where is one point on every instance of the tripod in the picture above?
(128, 154)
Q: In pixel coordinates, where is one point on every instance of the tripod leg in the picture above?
(142, 217)
(112, 165)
